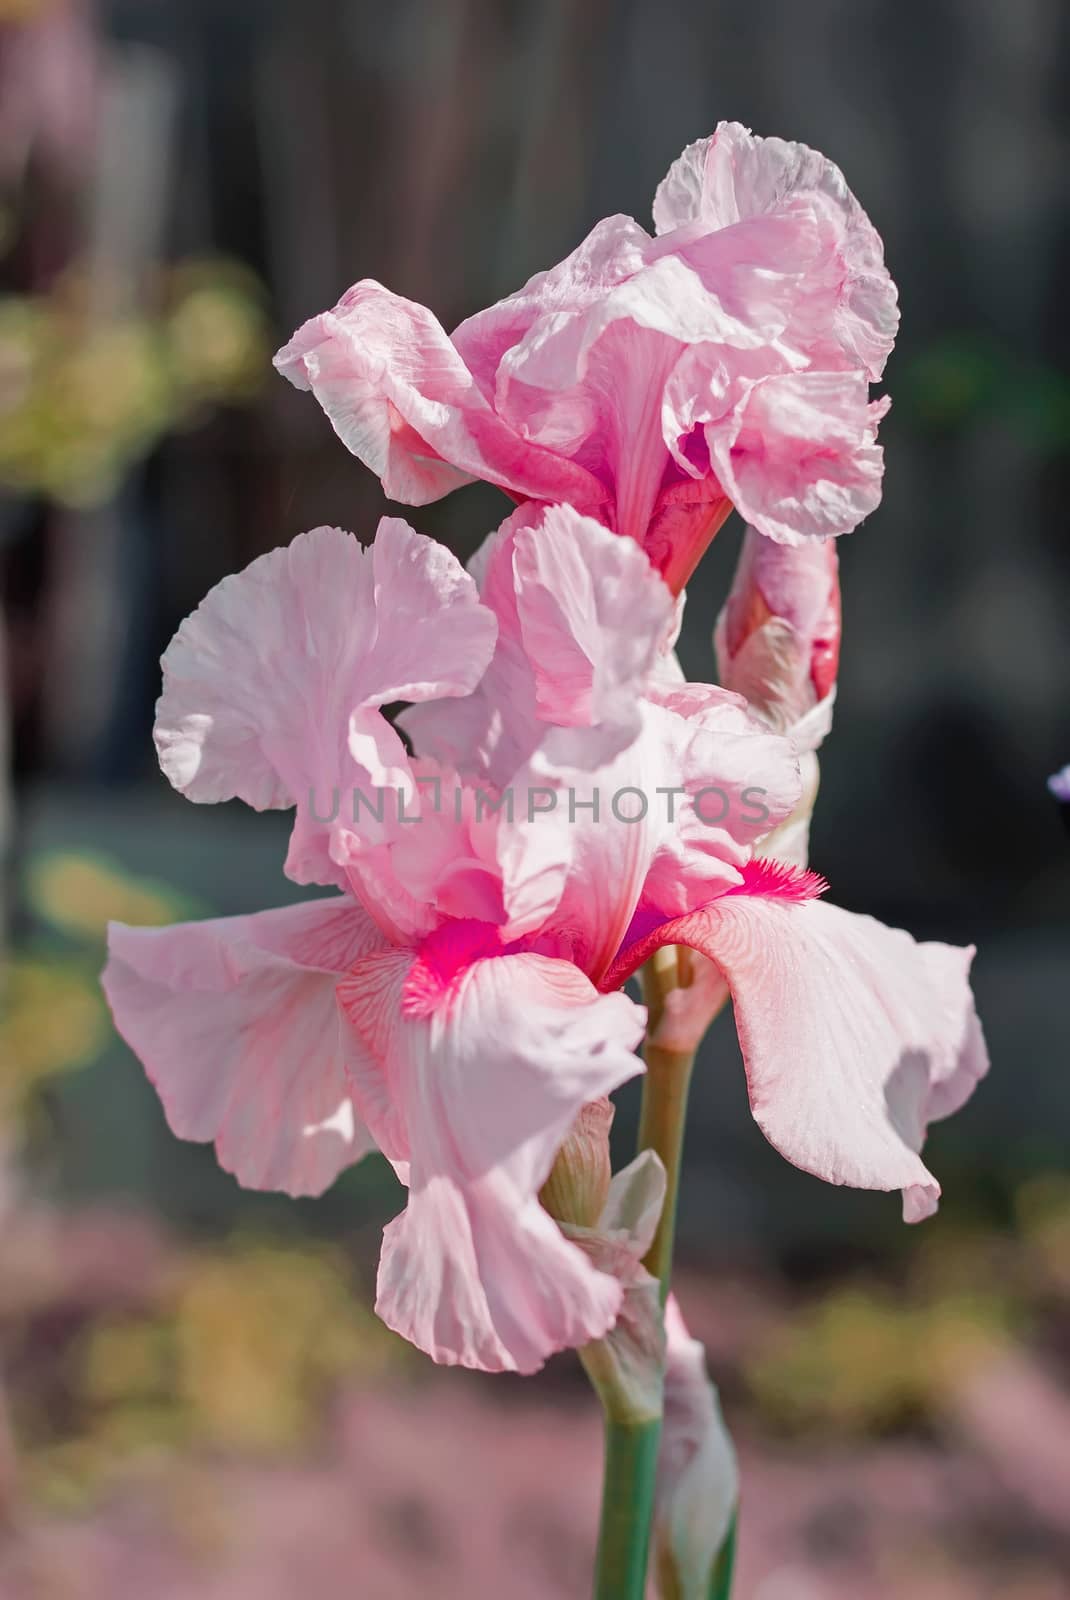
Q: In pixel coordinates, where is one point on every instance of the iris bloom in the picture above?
(457, 1003)
(653, 382)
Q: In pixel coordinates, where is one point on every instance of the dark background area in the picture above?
(182, 182)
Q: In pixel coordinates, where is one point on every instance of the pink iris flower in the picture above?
(652, 382)
(458, 1002)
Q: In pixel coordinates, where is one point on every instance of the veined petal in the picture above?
(735, 176)
(798, 455)
(482, 1069)
(593, 616)
(236, 1024)
(399, 396)
(854, 1037)
(260, 683)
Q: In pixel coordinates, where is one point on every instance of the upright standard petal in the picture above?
(481, 1067)
(583, 621)
(236, 1024)
(279, 673)
(854, 1037)
(594, 383)
(734, 176)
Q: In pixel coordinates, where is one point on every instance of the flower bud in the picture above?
(778, 644)
(576, 1190)
(778, 636)
(625, 1365)
(698, 1479)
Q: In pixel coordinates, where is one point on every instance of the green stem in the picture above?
(632, 1442)
(627, 1508)
(664, 1108)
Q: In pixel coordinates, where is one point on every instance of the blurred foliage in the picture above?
(240, 1352)
(83, 396)
(235, 1347)
(862, 1361)
(869, 1356)
(52, 1013)
(53, 1020)
(24, 10)
(1043, 1210)
(958, 381)
(80, 893)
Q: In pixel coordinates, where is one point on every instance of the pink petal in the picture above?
(400, 396)
(236, 1023)
(734, 176)
(430, 857)
(594, 616)
(798, 455)
(477, 1087)
(854, 1037)
(260, 683)
(614, 249)
(491, 732)
(583, 622)
(615, 839)
(589, 381)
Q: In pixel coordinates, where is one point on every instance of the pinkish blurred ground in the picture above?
(443, 1489)
(229, 1423)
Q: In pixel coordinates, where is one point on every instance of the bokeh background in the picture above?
(196, 1399)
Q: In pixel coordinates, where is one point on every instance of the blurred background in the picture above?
(196, 1399)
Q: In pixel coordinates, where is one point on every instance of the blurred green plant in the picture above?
(79, 892)
(868, 1356)
(966, 377)
(52, 1014)
(52, 1020)
(864, 1360)
(241, 1353)
(84, 397)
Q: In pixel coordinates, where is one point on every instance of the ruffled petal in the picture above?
(591, 382)
(482, 1069)
(854, 1037)
(614, 249)
(400, 396)
(734, 176)
(593, 615)
(236, 1024)
(262, 681)
(583, 622)
(798, 455)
